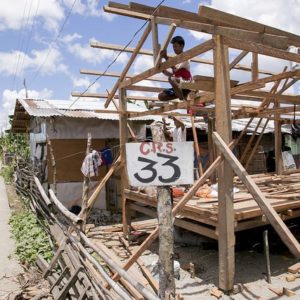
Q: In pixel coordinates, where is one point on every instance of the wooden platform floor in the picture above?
(201, 214)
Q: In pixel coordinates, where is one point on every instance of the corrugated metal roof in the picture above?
(79, 109)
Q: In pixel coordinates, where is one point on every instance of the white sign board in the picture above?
(156, 163)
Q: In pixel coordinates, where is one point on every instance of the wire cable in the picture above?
(117, 56)
(20, 46)
(53, 42)
(30, 34)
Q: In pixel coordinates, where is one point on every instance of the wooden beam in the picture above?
(104, 96)
(261, 49)
(155, 43)
(267, 209)
(196, 144)
(225, 176)
(150, 52)
(237, 59)
(242, 23)
(143, 88)
(128, 65)
(123, 140)
(165, 43)
(197, 50)
(117, 74)
(254, 66)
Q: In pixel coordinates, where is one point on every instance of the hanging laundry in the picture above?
(91, 163)
(106, 156)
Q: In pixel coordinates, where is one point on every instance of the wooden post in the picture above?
(166, 243)
(85, 186)
(197, 149)
(254, 66)
(225, 174)
(166, 236)
(278, 145)
(53, 164)
(211, 146)
(123, 139)
(256, 145)
(165, 43)
(155, 43)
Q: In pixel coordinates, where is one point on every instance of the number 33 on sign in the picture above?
(156, 163)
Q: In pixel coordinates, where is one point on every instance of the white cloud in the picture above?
(16, 14)
(90, 8)
(70, 38)
(142, 63)
(50, 62)
(93, 55)
(9, 100)
(85, 82)
(277, 13)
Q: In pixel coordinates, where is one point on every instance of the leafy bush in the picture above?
(7, 172)
(16, 144)
(30, 237)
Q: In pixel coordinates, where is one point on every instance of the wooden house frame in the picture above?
(228, 31)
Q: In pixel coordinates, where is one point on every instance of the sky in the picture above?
(47, 42)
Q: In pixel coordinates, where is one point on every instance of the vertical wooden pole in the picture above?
(278, 144)
(53, 164)
(225, 174)
(166, 243)
(166, 236)
(85, 185)
(211, 147)
(155, 43)
(254, 66)
(196, 144)
(123, 139)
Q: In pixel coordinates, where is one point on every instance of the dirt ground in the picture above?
(250, 278)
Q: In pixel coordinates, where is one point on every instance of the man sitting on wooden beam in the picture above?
(180, 72)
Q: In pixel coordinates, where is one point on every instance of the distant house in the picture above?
(67, 128)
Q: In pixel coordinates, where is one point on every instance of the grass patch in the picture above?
(7, 172)
(31, 239)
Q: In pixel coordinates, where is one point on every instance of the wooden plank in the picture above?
(256, 145)
(197, 50)
(261, 49)
(278, 147)
(196, 144)
(192, 21)
(237, 59)
(123, 140)
(117, 74)
(202, 230)
(226, 239)
(254, 66)
(96, 44)
(242, 23)
(104, 96)
(128, 65)
(155, 43)
(282, 230)
(165, 43)
(294, 268)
